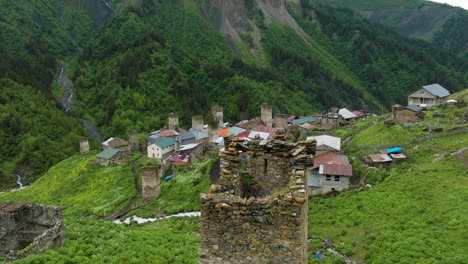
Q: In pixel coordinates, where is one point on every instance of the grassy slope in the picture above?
(398, 134)
(87, 191)
(414, 216)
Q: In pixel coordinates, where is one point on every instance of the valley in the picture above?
(98, 70)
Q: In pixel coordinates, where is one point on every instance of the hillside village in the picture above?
(331, 172)
(321, 164)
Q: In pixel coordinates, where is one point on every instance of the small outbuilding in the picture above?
(410, 113)
(112, 156)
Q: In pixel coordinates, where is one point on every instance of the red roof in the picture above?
(359, 112)
(168, 133)
(330, 158)
(307, 126)
(252, 123)
(336, 169)
(263, 128)
(182, 131)
(179, 158)
(244, 134)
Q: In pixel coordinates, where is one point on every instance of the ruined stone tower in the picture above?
(258, 212)
(84, 146)
(267, 114)
(133, 142)
(281, 120)
(173, 121)
(197, 123)
(150, 183)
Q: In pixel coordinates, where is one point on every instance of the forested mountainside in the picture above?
(184, 56)
(134, 61)
(35, 38)
(442, 25)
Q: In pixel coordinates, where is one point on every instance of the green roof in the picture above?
(304, 120)
(166, 142)
(107, 153)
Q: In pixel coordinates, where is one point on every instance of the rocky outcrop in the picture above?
(27, 228)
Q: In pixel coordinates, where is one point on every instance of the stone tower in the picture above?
(150, 183)
(258, 212)
(281, 120)
(267, 114)
(84, 146)
(217, 113)
(217, 125)
(197, 123)
(173, 121)
(133, 142)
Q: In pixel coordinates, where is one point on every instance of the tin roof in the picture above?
(336, 169)
(165, 142)
(398, 156)
(307, 126)
(180, 158)
(186, 136)
(333, 142)
(108, 153)
(304, 120)
(437, 90)
(414, 108)
(188, 146)
(231, 131)
(380, 158)
(168, 133)
(394, 150)
(263, 135)
(346, 114)
(115, 142)
(330, 158)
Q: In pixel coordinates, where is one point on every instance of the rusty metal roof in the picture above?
(330, 158)
(380, 158)
(336, 169)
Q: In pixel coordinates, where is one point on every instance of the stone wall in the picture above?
(258, 211)
(27, 228)
(84, 146)
(150, 183)
(281, 120)
(197, 123)
(133, 141)
(173, 121)
(267, 114)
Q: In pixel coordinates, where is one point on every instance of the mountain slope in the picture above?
(184, 56)
(427, 20)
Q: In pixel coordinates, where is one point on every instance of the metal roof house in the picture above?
(331, 172)
(161, 147)
(429, 95)
(326, 143)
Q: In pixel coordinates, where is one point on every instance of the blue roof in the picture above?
(394, 150)
(437, 90)
(152, 138)
(413, 108)
(186, 136)
(169, 177)
(304, 120)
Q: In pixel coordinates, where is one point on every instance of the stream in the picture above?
(140, 220)
(18, 181)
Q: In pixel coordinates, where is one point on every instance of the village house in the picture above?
(347, 115)
(331, 172)
(326, 143)
(112, 156)
(330, 120)
(410, 113)
(429, 95)
(159, 149)
(186, 138)
(115, 143)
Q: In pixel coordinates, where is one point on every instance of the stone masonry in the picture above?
(133, 141)
(258, 211)
(84, 146)
(281, 120)
(267, 114)
(173, 120)
(197, 123)
(150, 183)
(27, 228)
